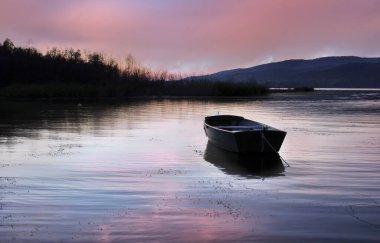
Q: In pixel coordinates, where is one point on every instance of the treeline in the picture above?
(26, 72)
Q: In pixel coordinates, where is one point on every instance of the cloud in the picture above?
(198, 36)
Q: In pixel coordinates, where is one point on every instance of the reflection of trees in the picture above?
(26, 118)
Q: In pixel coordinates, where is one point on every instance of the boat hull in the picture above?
(264, 140)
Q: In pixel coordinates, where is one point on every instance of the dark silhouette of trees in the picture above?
(25, 72)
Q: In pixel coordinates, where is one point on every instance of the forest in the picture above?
(25, 72)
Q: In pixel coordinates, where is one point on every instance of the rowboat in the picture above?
(240, 135)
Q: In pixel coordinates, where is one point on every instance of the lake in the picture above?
(142, 170)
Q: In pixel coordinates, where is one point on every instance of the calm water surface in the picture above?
(143, 171)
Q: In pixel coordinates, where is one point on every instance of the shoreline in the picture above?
(194, 97)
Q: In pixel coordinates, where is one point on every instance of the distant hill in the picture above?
(326, 72)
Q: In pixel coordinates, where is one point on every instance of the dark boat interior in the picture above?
(235, 123)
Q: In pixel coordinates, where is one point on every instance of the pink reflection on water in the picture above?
(174, 223)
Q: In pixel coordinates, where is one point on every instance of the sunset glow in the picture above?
(197, 36)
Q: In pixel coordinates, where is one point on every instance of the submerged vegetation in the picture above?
(26, 72)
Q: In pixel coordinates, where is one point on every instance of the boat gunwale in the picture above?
(267, 127)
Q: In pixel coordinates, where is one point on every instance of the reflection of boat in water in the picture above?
(237, 134)
(248, 165)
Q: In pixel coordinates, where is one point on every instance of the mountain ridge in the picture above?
(324, 72)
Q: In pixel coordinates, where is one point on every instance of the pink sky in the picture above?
(197, 36)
